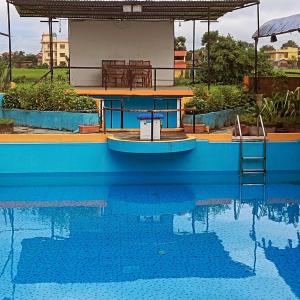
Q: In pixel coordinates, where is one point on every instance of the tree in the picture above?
(267, 48)
(20, 56)
(179, 43)
(290, 43)
(231, 60)
(214, 36)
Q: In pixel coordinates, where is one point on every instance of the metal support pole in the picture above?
(193, 65)
(51, 47)
(122, 114)
(9, 41)
(152, 125)
(208, 51)
(104, 118)
(130, 79)
(256, 50)
(100, 114)
(155, 79)
(180, 112)
(194, 122)
(167, 114)
(111, 114)
(69, 60)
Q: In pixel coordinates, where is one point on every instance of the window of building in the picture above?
(62, 46)
(62, 54)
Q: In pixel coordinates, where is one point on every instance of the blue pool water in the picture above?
(149, 241)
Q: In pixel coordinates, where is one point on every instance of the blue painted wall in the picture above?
(51, 119)
(96, 157)
(1, 101)
(71, 121)
(138, 102)
(151, 147)
(214, 120)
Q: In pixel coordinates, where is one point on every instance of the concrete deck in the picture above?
(101, 137)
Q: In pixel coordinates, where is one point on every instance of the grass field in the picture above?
(24, 75)
(292, 73)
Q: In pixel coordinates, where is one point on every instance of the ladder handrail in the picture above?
(260, 124)
(260, 119)
(237, 122)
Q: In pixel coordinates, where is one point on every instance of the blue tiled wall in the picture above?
(96, 157)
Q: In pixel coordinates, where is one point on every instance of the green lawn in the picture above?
(292, 73)
(24, 75)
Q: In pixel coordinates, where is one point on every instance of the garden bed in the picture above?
(49, 105)
(214, 120)
(50, 119)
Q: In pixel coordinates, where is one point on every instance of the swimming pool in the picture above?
(149, 239)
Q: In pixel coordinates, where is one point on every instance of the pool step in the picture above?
(253, 158)
(253, 171)
(248, 139)
(253, 184)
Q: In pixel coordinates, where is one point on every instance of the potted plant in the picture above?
(289, 124)
(247, 122)
(272, 125)
(193, 107)
(6, 125)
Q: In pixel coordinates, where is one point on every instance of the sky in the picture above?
(241, 24)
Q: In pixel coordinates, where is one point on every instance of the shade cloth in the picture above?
(279, 26)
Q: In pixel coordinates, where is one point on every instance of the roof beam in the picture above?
(176, 9)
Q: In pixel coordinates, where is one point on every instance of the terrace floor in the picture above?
(183, 91)
(38, 135)
(165, 136)
(30, 130)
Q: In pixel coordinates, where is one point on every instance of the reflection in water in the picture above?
(156, 237)
(284, 212)
(9, 263)
(287, 262)
(124, 247)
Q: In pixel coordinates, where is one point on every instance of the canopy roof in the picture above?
(128, 9)
(279, 26)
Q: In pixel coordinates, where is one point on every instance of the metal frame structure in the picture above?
(269, 29)
(149, 10)
(185, 10)
(8, 35)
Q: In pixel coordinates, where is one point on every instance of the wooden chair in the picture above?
(148, 73)
(113, 75)
(140, 76)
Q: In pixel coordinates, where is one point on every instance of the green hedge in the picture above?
(219, 98)
(47, 96)
(6, 121)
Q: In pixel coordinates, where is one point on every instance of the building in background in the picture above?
(180, 63)
(60, 50)
(284, 58)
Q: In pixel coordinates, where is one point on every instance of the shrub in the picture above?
(45, 96)
(282, 107)
(219, 98)
(248, 119)
(7, 121)
(12, 98)
(4, 75)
